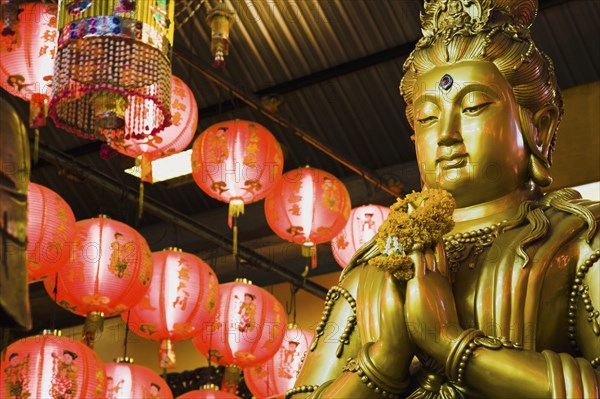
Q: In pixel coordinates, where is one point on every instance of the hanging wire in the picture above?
(291, 307)
(55, 294)
(126, 334)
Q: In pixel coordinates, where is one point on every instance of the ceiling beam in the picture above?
(177, 218)
(251, 100)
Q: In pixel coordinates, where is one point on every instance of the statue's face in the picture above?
(467, 135)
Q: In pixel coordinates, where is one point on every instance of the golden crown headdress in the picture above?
(448, 18)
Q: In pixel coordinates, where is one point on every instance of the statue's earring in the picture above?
(539, 172)
(538, 131)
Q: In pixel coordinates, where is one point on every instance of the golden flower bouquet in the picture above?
(419, 220)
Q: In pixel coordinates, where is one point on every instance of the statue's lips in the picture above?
(455, 160)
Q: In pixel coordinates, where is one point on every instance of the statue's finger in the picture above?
(420, 263)
(430, 261)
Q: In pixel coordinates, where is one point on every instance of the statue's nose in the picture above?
(450, 129)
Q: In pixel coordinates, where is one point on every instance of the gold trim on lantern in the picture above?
(174, 249)
(125, 359)
(161, 20)
(56, 333)
(209, 387)
(243, 280)
(309, 249)
(292, 325)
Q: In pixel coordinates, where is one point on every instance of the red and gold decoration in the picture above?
(278, 374)
(172, 140)
(125, 380)
(113, 56)
(220, 19)
(248, 329)
(109, 271)
(50, 226)
(237, 162)
(181, 300)
(362, 226)
(208, 391)
(308, 206)
(51, 366)
(27, 49)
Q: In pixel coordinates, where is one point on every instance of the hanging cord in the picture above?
(292, 304)
(55, 294)
(126, 334)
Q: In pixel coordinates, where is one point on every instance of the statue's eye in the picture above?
(476, 109)
(427, 120)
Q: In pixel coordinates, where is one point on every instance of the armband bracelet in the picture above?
(463, 348)
(300, 389)
(371, 377)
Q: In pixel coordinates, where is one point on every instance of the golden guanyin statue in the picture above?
(506, 304)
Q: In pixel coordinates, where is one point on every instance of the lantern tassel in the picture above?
(166, 355)
(141, 200)
(36, 146)
(145, 164)
(231, 379)
(94, 322)
(309, 250)
(236, 209)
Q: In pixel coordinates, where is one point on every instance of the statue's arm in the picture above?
(322, 362)
(549, 374)
(385, 354)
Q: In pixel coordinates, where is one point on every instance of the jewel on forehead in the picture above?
(446, 82)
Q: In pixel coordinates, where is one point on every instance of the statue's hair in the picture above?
(508, 46)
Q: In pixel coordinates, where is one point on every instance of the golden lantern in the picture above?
(220, 19)
(112, 56)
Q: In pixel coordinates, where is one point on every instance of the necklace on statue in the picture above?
(468, 245)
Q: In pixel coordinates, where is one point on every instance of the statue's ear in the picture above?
(545, 122)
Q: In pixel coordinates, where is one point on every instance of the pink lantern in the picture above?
(50, 366)
(209, 391)
(278, 374)
(308, 206)
(171, 140)
(181, 300)
(109, 271)
(237, 162)
(248, 329)
(125, 380)
(361, 227)
(27, 49)
(50, 226)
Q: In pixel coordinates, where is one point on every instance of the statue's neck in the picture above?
(488, 213)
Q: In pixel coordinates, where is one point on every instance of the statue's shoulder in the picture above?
(367, 251)
(570, 203)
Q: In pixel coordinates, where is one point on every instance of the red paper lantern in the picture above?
(50, 226)
(27, 48)
(361, 227)
(237, 162)
(209, 391)
(109, 271)
(278, 374)
(248, 329)
(308, 206)
(50, 366)
(125, 380)
(171, 140)
(181, 300)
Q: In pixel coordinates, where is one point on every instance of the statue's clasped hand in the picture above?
(430, 309)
